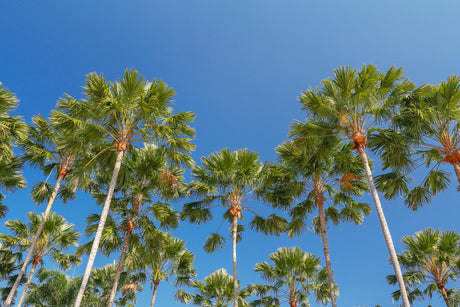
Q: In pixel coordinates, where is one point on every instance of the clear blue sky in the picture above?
(240, 66)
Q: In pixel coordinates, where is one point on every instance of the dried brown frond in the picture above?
(347, 180)
(132, 287)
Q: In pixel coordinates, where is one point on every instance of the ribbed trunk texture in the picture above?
(23, 295)
(385, 229)
(120, 265)
(154, 295)
(326, 252)
(235, 273)
(100, 228)
(457, 171)
(57, 186)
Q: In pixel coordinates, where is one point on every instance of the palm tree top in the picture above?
(127, 112)
(354, 101)
(431, 259)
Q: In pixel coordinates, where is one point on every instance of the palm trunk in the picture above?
(443, 291)
(12, 293)
(100, 228)
(385, 229)
(121, 263)
(235, 273)
(154, 295)
(326, 252)
(457, 171)
(23, 295)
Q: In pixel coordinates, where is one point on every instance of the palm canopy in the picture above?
(431, 259)
(127, 112)
(12, 129)
(356, 101)
(57, 236)
(53, 288)
(324, 173)
(56, 151)
(425, 132)
(215, 291)
(292, 277)
(165, 258)
(230, 180)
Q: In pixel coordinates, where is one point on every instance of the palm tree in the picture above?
(431, 258)
(143, 176)
(293, 276)
(230, 180)
(425, 131)
(50, 150)
(353, 103)
(147, 175)
(13, 128)
(124, 113)
(56, 236)
(216, 291)
(55, 288)
(163, 257)
(328, 175)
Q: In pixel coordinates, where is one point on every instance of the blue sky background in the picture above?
(240, 66)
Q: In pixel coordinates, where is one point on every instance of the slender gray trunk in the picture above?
(100, 228)
(121, 263)
(235, 273)
(12, 293)
(457, 171)
(154, 295)
(23, 295)
(326, 253)
(385, 229)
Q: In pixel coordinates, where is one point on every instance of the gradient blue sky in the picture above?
(240, 66)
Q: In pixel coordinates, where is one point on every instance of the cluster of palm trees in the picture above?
(123, 144)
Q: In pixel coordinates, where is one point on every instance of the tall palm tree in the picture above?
(293, 276)
(13, 128)
(353, 103)
(328, 175)
(215, 291)
(164, 257)
(54, 152)
(147, 176)
(123, 114)
(144, 177)
(431, 258)
(56, 236)
(230, 180)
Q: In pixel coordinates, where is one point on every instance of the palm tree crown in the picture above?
(215, 291)
(57, 235)
(12, 129)
(431, 259)
(293, 276)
